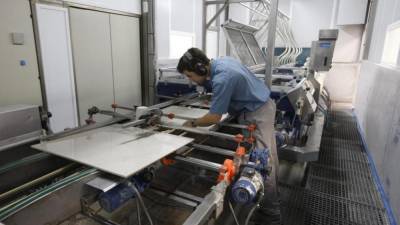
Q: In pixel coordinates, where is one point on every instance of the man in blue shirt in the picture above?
(237, 91)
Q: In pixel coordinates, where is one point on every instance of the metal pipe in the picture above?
(216, 150)
(134, 123)
(82, 129)
(217, 14)
(122, 107)
(204, 28)
(115, 120)
(253, 10)
(164, 96)
(248, 46)
(182, 197)
(233, 125)
(200, 131)
(227, 46)
(174, 101)
(201, 163)
(114, 114)
(272, 21)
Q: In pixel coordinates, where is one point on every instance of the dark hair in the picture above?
(191, 60)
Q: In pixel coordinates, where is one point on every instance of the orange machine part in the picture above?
(167, 162)
(228, 169)
(240, 151)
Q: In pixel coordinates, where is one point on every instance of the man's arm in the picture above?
(205, 121)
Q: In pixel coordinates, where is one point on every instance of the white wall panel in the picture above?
(239, 13)
(348, 44)
(351, 12)
(162, 28)
(125, 40)
(341, 82)
(182, 15)
(90, 33)
(55, 48)
(18, 84)
(378, 111)
(308, 17)
(388, 12)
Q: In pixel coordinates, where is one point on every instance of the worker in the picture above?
(237, 91)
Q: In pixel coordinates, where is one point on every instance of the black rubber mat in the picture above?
(339, 187)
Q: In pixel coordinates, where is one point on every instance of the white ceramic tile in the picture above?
(116, 150)
(188, 112)
(201, 104)
(192, 113)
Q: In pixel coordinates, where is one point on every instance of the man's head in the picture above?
(195, 65)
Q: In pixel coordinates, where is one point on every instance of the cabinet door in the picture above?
(125, 39)
(55, 49)
(91, 46)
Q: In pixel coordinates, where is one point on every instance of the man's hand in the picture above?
(205, 121)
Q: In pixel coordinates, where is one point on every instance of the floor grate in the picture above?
(339, 187)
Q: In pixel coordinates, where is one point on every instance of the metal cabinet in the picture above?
(106, 52)
(125, 41)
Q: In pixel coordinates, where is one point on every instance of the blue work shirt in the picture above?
(235, 88)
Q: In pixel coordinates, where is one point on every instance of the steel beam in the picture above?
(210, 208)
(272, 21)
(216, 14)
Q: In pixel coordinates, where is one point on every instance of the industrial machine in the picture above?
(145, 166)
(19, 124)
(301, 100)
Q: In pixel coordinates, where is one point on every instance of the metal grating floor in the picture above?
(339, 188)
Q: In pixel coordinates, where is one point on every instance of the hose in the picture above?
(19, 204)
(250, 214)
(255, 206)
(138, 212)
(233, 213)
(139, 196)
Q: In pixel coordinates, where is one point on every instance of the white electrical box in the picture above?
(18, 38)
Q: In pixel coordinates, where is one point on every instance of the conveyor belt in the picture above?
(339, 188)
